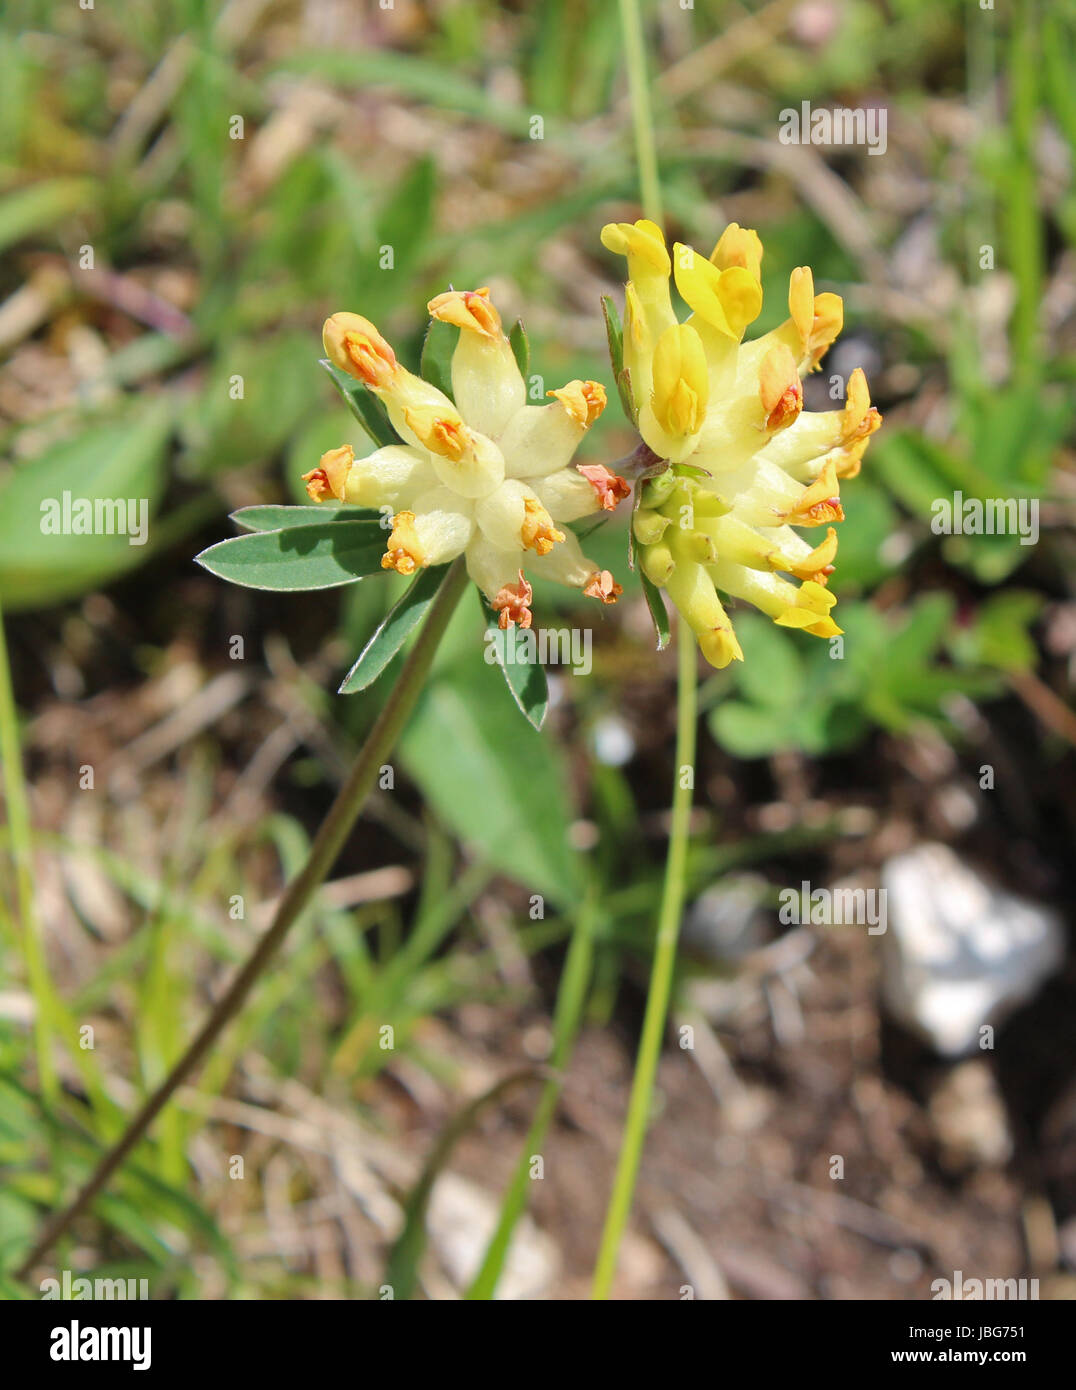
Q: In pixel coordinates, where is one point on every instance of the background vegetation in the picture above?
(486, 144)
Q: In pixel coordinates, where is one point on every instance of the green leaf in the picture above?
(746, 731)
(771, 673)
(437, 348)
(498, 783)
(272, 516)
(304, 557)
(873, 519)
(658, 612)
(514, 650)
(364, 405)
(921, 634)
(1000, 636)
(521, 347)
(397, 626)
(123, 461)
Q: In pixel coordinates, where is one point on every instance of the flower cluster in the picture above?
(748, 464)
(485, 475)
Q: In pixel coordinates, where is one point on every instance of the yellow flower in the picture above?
(759, 466)
(484, 475)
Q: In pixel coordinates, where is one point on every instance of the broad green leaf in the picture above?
(272, 516)
(399, 623)
(363, 404)
(515, 653)
(305, 557)
(498, 783)
(111, 468)
(747, 731)
(771, 673)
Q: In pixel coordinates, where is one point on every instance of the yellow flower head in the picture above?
(759, 465)
(483, 474)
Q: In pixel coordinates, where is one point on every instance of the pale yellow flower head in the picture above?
(484, 474)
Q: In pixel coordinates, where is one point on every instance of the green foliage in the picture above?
(364, 405)
(823, 698)
(121, 460)
(1010, 439)
(309, 555)
(393, 631)
(515, 653)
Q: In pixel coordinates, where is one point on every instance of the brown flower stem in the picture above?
(328, 842)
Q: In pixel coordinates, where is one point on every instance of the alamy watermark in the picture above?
(991, 516)
(965, 1290)
(75, 1287)
(841, 125)
(96, 516)
(549, 646)
(834, 907)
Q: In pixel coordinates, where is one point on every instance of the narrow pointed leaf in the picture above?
(363, 404)
(396, 627)
(658, 611)
(526, 678)
(304, 557)
(274, 517)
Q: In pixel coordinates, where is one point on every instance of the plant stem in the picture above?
(328, 842)
(22, 858)
(661, 975)
(672, 893)
(642, 115)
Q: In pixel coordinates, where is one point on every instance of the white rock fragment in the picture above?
(461, 1219)
(959, 953)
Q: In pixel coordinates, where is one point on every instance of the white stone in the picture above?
(959, 952)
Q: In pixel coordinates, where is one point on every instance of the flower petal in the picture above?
(539, 439)
(486, 381)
